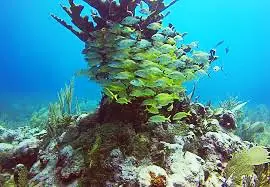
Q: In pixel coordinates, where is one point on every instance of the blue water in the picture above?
(38, 55)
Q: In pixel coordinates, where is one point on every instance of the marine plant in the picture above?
(243, 162)
(93, 153)
(250, 131)
(134, 58)
(60, 112)
(39, 118)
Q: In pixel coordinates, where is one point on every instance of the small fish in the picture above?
(171, 41)
(125, 75)
(168, 31)
(127, 30)
(126, 43)
(130, 20)
(170, 108)
(138, 56)
(162, 82)
(121, 55)
(164, 59)
(116, 29)
(137, 82)
(194, 44)
(123, 100)
(148, 63)
(227, 50)
(152, 110)
(167, 48)
(154, 70)
(116, 87)
(143, 44)
(212, 56)
(178, 38)
(177, 76)
(163, 99)
(157, 43)
(109, 93)
(143, 92)
(171, 26)
(154, 26)
(177, 64)
(217, 68)
(180, 115)
(219, 43)
(200, 56)
(184, 34)
(158, 119)
(158, 37)
(149, 102)
(179, 52)
(212, 52)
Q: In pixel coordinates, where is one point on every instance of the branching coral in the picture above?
(109, 12)
(134, 58)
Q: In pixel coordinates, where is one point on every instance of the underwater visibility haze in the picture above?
(135, 93)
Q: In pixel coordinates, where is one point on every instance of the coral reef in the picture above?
(146, 131)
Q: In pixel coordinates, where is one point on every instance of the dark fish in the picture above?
(219, 43)
(227, 50)
(212, 56)
(184, 34)
(171, 26)
(212, 52)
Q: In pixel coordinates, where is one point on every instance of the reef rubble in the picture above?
(116, 154)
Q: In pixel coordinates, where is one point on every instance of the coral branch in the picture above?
(109, 11)
(158, 8)
(75, 13)
(80, 35)
(101, 6)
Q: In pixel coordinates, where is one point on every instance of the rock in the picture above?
(42, 172)
(71, 133)
(124, 169)
(214, 180)
(81, 117)
(6, 147)
(41, 134)
(217, 147)
(7, 135)
(186, 169)
(152, 176)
